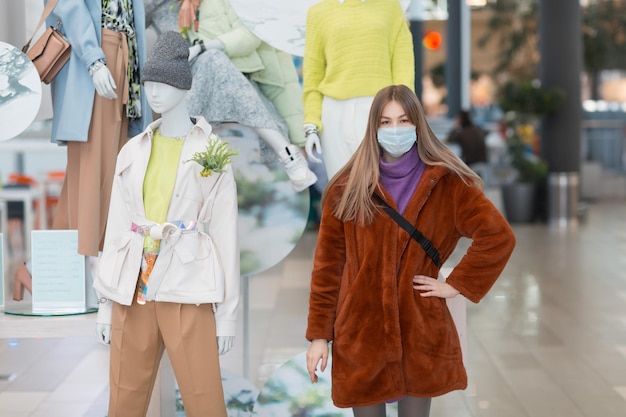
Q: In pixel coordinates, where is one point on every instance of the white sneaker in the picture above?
(298, 171)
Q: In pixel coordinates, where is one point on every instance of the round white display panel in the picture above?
(281, 23)
(20, 91)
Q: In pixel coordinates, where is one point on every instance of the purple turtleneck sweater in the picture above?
(400, 178)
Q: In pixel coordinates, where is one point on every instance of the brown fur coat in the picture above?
(388, 342)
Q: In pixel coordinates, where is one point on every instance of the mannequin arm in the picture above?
(80, 29)
(224, 344)
(239, 40)
(194, 51)
(103, 322)
(312, 142)
(103, 81)
(199, 46)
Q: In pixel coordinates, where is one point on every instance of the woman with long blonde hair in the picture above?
(363, 167)
(374, 288)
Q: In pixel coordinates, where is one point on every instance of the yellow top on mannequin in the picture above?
(158, 183)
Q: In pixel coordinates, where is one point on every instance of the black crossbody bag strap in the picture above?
(411, 230)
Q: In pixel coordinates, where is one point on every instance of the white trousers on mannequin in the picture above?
(344, 123)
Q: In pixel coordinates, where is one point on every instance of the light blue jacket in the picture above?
(72, 89)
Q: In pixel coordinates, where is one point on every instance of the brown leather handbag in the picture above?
(51, 51)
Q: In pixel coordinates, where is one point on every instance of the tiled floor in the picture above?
(548, 341)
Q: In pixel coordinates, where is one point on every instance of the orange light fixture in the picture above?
(432, 40)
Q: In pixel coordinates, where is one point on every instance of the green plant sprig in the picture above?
(218, 154)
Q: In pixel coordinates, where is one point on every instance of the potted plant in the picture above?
(520, 195)
(525, 103)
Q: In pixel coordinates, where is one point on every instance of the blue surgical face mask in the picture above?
(397, 140)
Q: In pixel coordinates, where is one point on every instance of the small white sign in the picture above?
(58, 272)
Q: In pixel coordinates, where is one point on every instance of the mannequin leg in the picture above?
(273, 138)
(190, 340)
(378, 410)
(21, 280)
(288, 102)
(15, 234)
(344, 124)
(291, 157)
(414, 407)
(136, 351)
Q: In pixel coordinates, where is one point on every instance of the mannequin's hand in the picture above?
(103, 322)
(194, 51)
(431, 287)
(104, 83)
(224, 344)
(313, 143)
(318, 350)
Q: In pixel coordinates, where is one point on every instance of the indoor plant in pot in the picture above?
(520, 195)
(525, 103)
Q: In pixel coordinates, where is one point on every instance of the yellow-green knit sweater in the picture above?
(353, 50)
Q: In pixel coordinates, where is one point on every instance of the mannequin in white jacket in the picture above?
(168, 277)
(175, 122)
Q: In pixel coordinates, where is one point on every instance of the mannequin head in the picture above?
(166, 77)
(162, 97)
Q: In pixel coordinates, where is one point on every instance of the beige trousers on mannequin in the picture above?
(140, 333)
(84, 200)
(344, 123)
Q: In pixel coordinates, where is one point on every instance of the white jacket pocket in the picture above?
(112, 261)
(195, 274)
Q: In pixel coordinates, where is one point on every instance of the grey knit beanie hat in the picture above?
(168, 62)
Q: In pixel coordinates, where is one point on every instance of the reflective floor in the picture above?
(549, 340)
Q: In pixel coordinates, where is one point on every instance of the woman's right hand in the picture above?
(318, 350)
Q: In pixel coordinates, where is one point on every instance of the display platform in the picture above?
(27, 310)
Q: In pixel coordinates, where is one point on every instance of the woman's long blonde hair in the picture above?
(355, 203)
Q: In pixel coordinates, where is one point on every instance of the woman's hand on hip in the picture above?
(431, 287)
(318, 350)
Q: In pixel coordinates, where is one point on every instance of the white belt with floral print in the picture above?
(165, 230)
